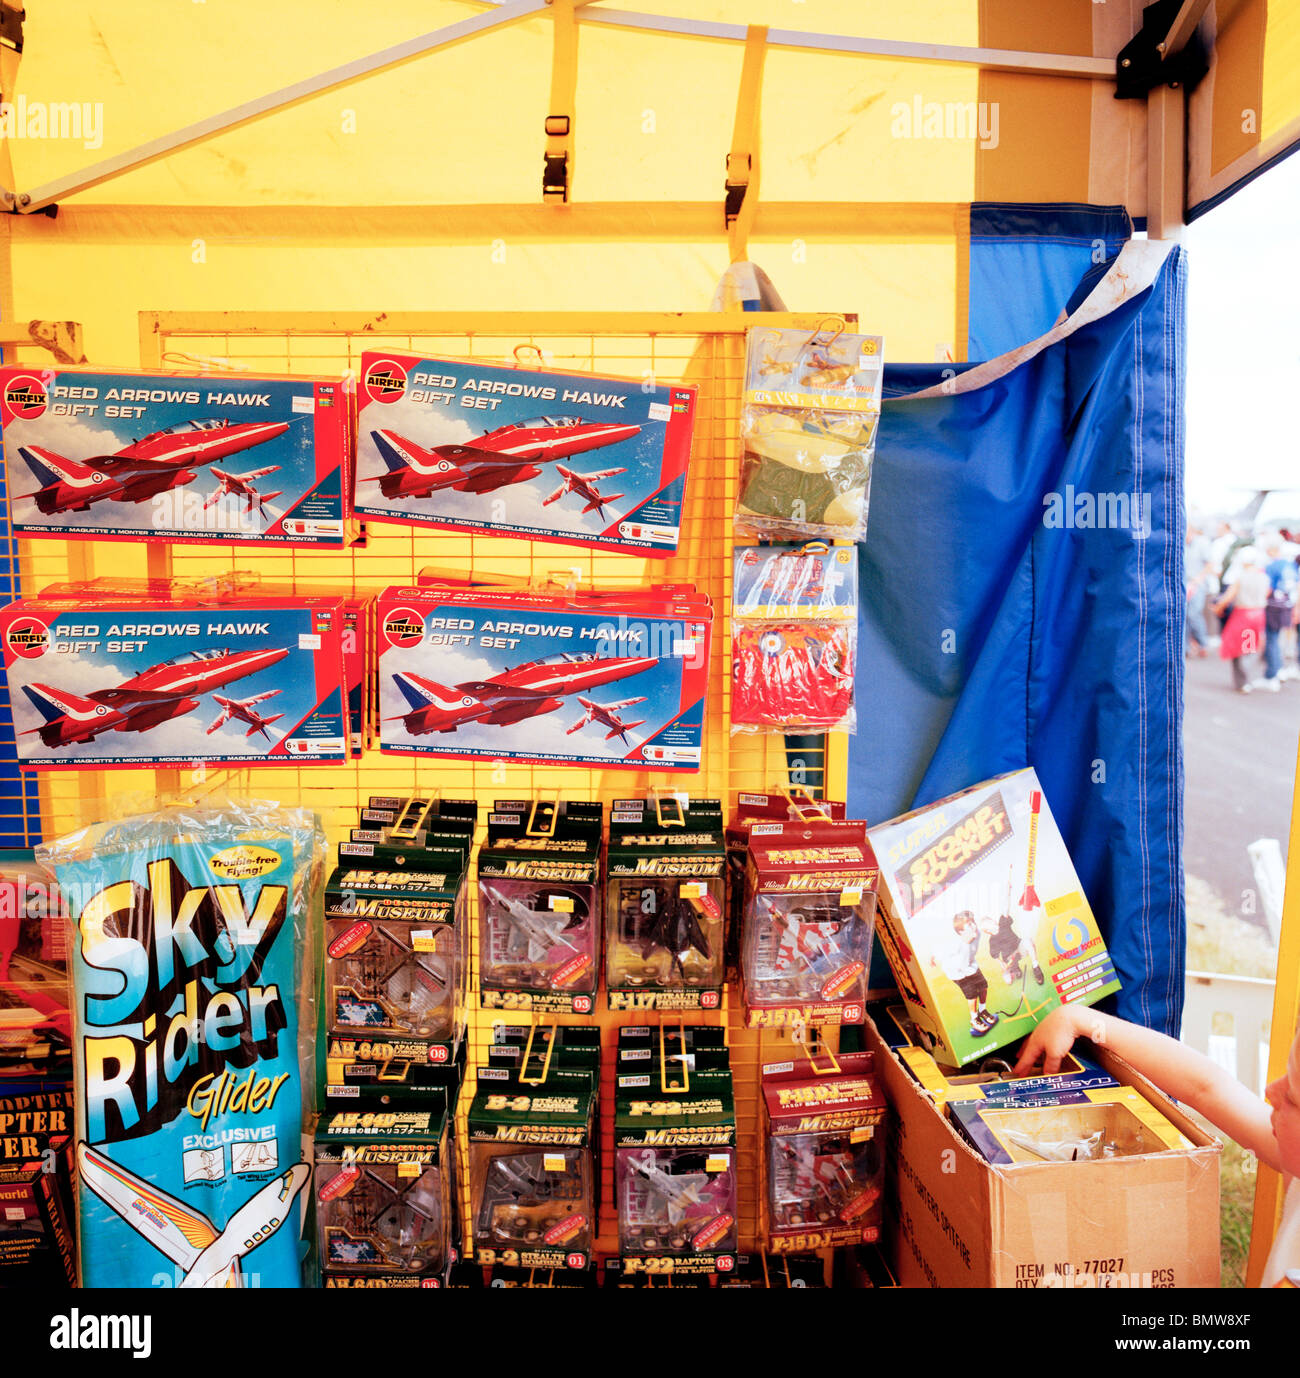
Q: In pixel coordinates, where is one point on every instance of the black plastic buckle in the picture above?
(735, 191)
(555, 177)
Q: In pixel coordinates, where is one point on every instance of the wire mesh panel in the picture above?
(704, 350)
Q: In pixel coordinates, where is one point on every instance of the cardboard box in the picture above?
(178, 457)
(37, 1246)
(471, 446)
(983, 918)
(1145, 1221)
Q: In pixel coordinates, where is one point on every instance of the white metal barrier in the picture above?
(1248, 1001)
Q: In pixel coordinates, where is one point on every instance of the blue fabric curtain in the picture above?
(1022, 603)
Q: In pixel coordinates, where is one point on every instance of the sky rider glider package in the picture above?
(178, 457)
(539, 906)
(983, 919)
(810, 904)
(808, 427)
(470, 446)
(193, 980)
(104, 682)
(603, 678)
(794, 635)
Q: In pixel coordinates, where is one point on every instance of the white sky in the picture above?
(1243, 352)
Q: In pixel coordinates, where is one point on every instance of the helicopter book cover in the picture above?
(568, 457)
(257, 682)
(177, 457)
(548, 681)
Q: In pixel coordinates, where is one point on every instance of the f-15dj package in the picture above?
(113, 681)
(177, 457)
(193, 975)
(615, 680)
(568, 457)
(539, 906)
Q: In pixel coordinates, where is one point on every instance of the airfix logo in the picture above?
(28, 638)
(26, 397)
(385, 381)
(404, 627)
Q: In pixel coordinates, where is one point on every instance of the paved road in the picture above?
(1240, 754)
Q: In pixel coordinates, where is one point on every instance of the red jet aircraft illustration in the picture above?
(585, 487)
(241, 486)
(526, 691)
(144, 468)
(510, 454)
(606, 714)
(154, 696)
(244, 710)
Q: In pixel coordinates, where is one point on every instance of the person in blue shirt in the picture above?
(1279, 613)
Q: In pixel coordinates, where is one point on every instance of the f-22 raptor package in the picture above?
(193, 974)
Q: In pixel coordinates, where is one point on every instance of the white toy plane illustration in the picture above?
(242, 486)
(207, 1256)
(245, 711)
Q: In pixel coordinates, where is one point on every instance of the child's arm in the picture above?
(1179, 1071)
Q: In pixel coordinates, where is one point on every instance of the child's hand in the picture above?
(1053, 1039)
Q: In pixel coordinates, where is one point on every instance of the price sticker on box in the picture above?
(693, 890)
(553, 1162)
(409, 1169)
(717, 1162)
(423, 940)
(561, 904)
(850, 895)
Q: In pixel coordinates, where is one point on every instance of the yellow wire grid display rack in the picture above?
(703, 349)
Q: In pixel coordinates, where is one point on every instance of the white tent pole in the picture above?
(995, 59)
(29, 202)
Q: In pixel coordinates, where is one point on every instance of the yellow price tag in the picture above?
(409, 1169)
(553, 1162)
(853, 895)
(693, 890)
(424, 941)
(717, 1162)
(861, 1134)
(562, 904)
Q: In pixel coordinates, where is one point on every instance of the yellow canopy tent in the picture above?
(325, 157)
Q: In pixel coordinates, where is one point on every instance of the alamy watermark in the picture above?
(38, 119)
(953, 119)
(1084, 510)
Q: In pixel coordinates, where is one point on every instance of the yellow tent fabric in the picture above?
(420, 186)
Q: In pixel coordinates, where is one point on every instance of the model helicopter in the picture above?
(408, 992)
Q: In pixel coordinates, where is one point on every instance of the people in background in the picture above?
(1243, 602)
(1279, 613)
(1199, 572)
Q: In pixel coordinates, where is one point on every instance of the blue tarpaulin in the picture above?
(1023, 603)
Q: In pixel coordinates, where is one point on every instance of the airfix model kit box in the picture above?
(395, 957)
(551, 456)
(34, 1018)
(37, 1244)
(1142, 1219)
(613, 683)
(810, 902)
(665, 891)
(824, 1164)
(983, 918)
(258, 682)
(383, 1201)
(178, 457)
(675, 1169)
(532, 1167)
(539, 906)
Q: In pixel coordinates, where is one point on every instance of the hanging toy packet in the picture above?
(192, 980)
(808, 432)
(794, 631)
